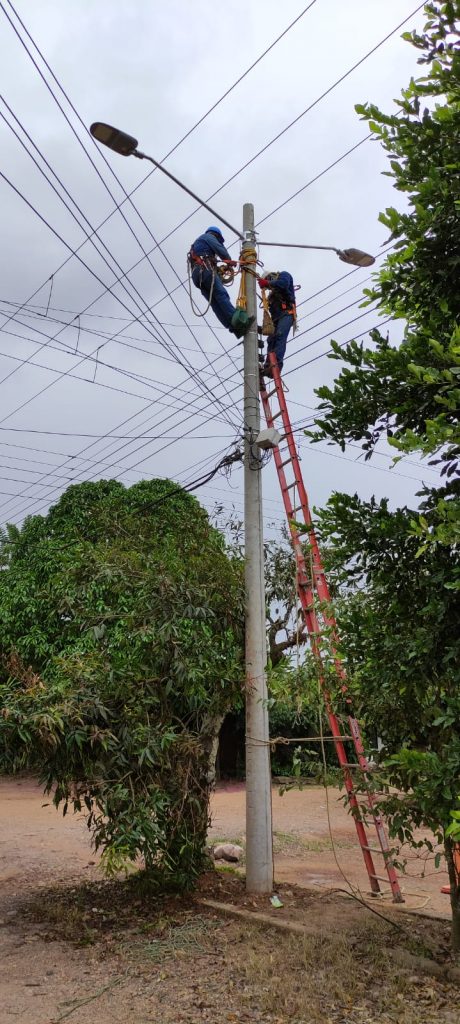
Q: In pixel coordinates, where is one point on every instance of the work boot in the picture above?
(268, 369)
(241, 324)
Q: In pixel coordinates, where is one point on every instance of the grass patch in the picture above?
(191, 938)
(337, 978)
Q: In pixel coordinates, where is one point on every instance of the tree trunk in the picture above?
(452, 852)
(210, 730)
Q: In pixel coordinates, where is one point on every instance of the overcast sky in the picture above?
(154, 70)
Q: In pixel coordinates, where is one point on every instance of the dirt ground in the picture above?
(73, 946)
(303, 845)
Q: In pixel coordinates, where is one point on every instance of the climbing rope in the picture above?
(195, 309)
(226, 274)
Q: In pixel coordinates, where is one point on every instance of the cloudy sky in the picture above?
(98, 335)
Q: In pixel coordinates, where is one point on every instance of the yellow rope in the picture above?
(248, 258)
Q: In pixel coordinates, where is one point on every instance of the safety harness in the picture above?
(208, 262)
(268, 327)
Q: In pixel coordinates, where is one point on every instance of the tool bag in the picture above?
(267, 323)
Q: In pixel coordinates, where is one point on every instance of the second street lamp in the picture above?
(354, 257)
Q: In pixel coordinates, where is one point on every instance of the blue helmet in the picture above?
(215, 231)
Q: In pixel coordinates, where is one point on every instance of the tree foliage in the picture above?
(410, 393)
(401, 569)
(121, 645)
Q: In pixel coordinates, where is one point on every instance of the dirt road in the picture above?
(38, 845)
(46, 979)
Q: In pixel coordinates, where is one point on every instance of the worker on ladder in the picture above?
(282, 309)
(203, 256)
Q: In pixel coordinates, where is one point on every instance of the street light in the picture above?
(126, 145)
(355, 257)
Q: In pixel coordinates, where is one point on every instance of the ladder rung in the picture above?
(285, 463)
(298, 508)
(348, 764)
(373, 849)
(380, 878)
(270, 393)
(275, 417)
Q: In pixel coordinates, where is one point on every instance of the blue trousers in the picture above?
(278, 341)
(220, 301)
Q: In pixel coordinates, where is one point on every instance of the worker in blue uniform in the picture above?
(282, 309)
(203, 257)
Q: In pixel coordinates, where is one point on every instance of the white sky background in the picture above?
(153, 70)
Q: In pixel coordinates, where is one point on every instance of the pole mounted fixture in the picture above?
(120, 142)
(126, 145)
(354, 257)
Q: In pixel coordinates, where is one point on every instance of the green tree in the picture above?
(410, 394)
(401, 569)
(121, 646)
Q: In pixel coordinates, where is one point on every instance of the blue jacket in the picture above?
(281, 294)
(208, 245)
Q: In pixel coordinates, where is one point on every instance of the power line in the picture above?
(33, 313)
(357, 462)
(224, 464)
(134, 465)
(135, 438)
(190, 370)
(264, 218)
(307, 110)
(148, 382)
(187, 134)
(108, 164)
(232, 87)
(53, 465)
(140, 438)
(316, 177)
(117, 437)
(90, 238)
(342, 345)
(268, 144)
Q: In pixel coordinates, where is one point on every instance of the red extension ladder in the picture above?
(311, 586)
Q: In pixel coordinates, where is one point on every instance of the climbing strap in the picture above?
(200, 263)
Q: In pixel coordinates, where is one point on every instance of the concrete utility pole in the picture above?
(259, 850)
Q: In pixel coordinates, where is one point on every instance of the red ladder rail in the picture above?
(311, 580)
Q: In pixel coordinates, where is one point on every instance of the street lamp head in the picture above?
(355, 257)
(122, 143)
